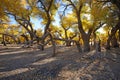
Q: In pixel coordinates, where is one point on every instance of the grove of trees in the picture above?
(61, 22)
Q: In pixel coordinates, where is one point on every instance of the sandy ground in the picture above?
(32, 64)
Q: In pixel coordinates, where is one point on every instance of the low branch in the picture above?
(64, 39)
(12, 36)
(73, 36)
(100, 25)
(44, 7)
(66, 8)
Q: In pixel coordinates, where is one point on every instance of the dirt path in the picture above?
(29, 64)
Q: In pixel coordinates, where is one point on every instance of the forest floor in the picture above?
(32, 64)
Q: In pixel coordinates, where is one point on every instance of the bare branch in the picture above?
(73, 36)
(65, 9)
(100, 25)
(72, 4)
(64, 39)
(50, 5)
(44, 7)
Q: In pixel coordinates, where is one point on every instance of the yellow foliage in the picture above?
(24, 3)
(68, 20)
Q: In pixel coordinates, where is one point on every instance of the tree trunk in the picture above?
(94, 36)
(42, 46)
(68, 43)
(26, 38)
(119, 35)
(98, 47)
(113, 31)
(46, 30)
(18, 41)
(85, 37)
(4, 43)
(53, 45)
(78, 46)
(54, 48)
(108, 44)
(114, 42)
(66, 37)
(86, 44)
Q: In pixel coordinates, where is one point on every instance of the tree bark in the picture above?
(18, 40)
(119, 35)
(25, 37)
(53, 45)
(3, 37)
(78, 46)
(113, 31)
(94, 38)
(85, 37)
(86, 44)
(114, 42)
(98, 47)
(66, 37)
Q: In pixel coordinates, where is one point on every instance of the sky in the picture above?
(37, 21)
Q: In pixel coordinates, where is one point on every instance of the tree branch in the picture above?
(65, 9)
(73, 5)
(100, 25)
(44, 7)
(50, 5)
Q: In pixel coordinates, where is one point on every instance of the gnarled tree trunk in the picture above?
(98, 46)
(113, 31)
(78, 46)
(114, 42)
(86, 44)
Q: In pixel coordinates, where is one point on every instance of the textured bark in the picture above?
(47, 11)
(114, 42)
(53, 45)
(78, 46)
(66, 37)
(25, 37)
(113, 31)
(94, 38)
(41, 45)
(85, 36)
(98, 47)
(86, 44)
(3, 37)
(94, 34)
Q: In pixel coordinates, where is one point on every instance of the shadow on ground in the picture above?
(21, 64)
(17, 63)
